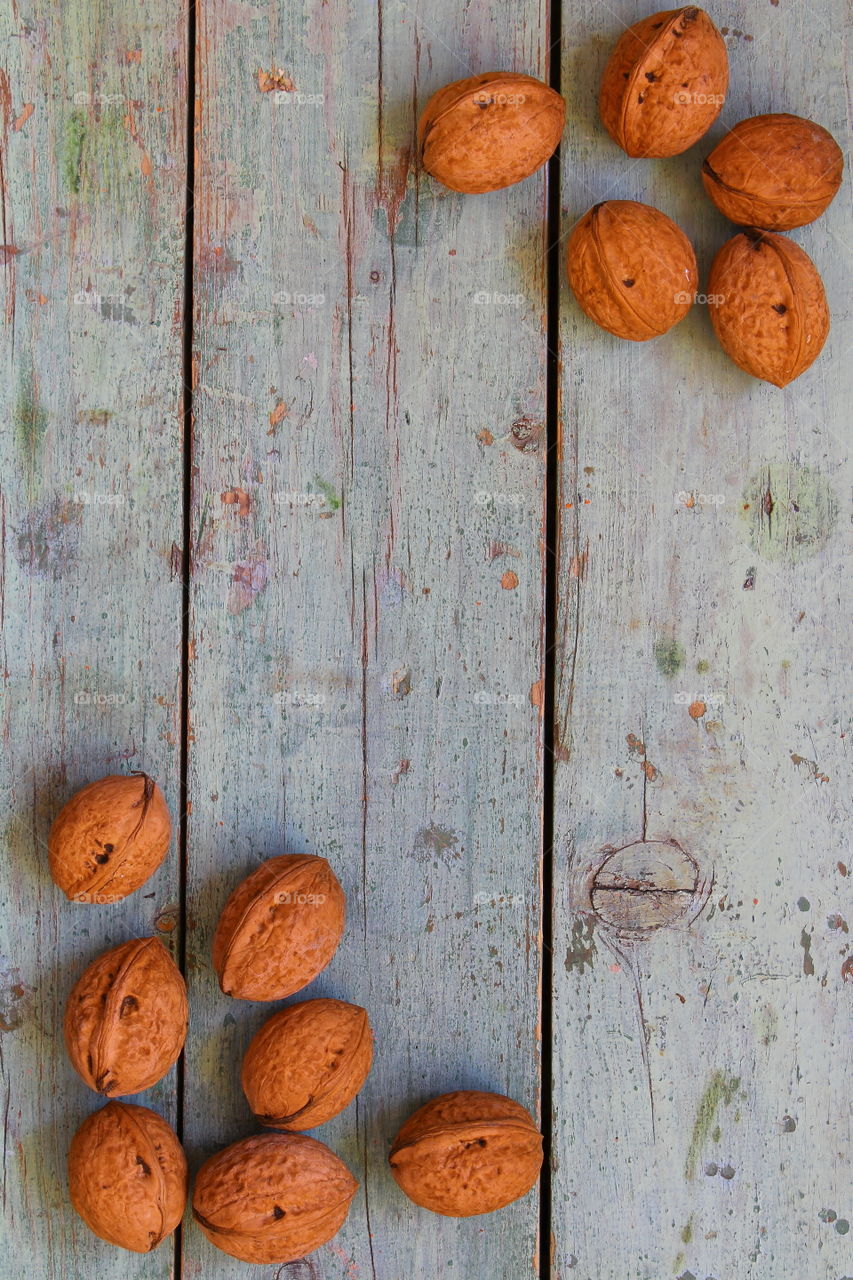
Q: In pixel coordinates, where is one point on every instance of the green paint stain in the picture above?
(680, 1260)
(687, 1232)
(703, 666)
(30, 422)
(72, 150)
(721, 1088)
(669, 655)
(328, 493)
(804, 904)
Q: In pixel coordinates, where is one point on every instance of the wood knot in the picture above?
(646, 885)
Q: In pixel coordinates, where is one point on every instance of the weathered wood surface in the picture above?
(704, 558)
(92, 146)
(367, 578)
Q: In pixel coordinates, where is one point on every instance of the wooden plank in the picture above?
(92, 103)
(368, 577)
(677, 588)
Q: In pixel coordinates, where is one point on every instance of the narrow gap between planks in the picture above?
(552, 531)
(186, 554)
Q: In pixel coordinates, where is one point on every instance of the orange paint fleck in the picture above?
(275, 79)
(133, 55)
(568, 506)
(277, 414)
(537, 693)
(649, 770)
(237, 498)
(697, 710)
(755, 902)
(690, 501)
(615, 968)
(577, 566)
(485, 436)
(509, 580)
(145, 165)
(847, 969)
(22, 119)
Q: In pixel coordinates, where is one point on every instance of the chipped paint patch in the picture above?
(719, 1091)
(47, 541)
(248, 580)
(12, 1000)
(435, 842)
(808, 962)
(275, 79)
(582, 951)
(791, 511)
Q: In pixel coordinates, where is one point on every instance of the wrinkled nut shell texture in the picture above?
(467, 1153)
(774, 171)
(279, 928)
(632, 270)
(771, 318)
(127, 1175)
(126, 1018)
(109, 838)
(272, 1198)
(307, 1063)
(490, 131)
(665, 83)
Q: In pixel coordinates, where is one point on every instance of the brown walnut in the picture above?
(279, 929)
(665, 83)
(775, 171)
(307, 1063)
(126, 1018)
(490, 131)
(272, 1198)
(109, 838)
(632, 270)
(769, 308)
(467, 1153)
(127, 1176)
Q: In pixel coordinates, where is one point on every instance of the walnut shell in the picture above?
(665, 83)
(632, 269)
(127, 1175)
(126, 1018)
(467, 1153)
(774, 171)
(768, 307)
(109, 838)
(272, 1198)
(279, 928)
(307, 1063)
(490, 131)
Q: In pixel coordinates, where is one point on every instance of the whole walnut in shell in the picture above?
(307, 1063)
(279, 928)
(272, 1198)
(127, 1176)
(126, 1018)
(632, 269)
(665, 83)
(774, 171)
(769, 307)
(467, 1153)
(490, 131)
(109, 838)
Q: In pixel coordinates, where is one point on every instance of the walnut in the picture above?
(126, 1018)
(127, 1176)
(490, 131)
(774, 171)
(272, 1198)
(665, 83)
(632, 269)
(467, 1153)
(109, 838)
(769, 307)
(307, 1063)
(279, 928)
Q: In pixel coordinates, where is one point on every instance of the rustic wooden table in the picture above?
(394, 587)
